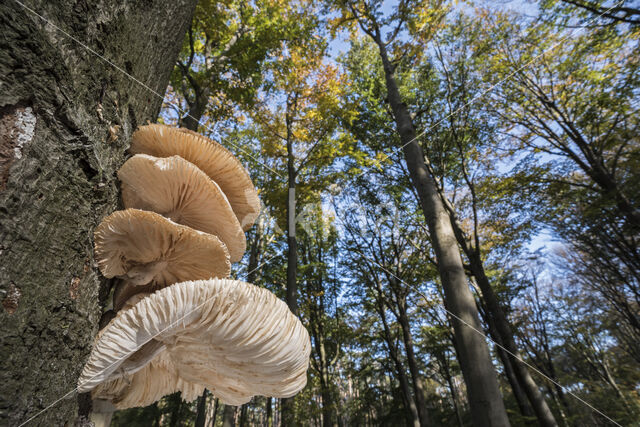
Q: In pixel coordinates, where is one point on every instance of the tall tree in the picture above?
(296, 122)
(480, 376)
(320, 288)
(68, 111)
(463, 132)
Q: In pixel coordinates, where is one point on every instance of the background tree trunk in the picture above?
(292, 250)
(229, 416)
(269, 415)
(393, 353)
(418, 390)
(518, 393)
(66, 118)
(485, 400)
(499, 327)
(201, 411)
(292, 242)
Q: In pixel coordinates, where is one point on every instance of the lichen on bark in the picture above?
(66, 118)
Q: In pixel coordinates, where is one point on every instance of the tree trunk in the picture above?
(201, 412)
(518, 393)
(393, 353)
(192, 120)
(269, 413)
(453, 391)
(157, 415)
(256, 247)
(66, 119)
(229, 416)
(292, 251)
(243, 415)
(175, 400)
(550, 371)
(413, 364)
(328, 407)
(500, 329)
(504, 335)
(486, 403)
(216, 406)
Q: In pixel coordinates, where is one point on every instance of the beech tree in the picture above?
(76, 80)
(480, 376)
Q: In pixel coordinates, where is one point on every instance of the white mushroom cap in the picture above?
(147, 248)
(234, 338)
(180, 191)
(211, 157)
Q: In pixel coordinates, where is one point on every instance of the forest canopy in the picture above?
(527, 120)
(450, 201)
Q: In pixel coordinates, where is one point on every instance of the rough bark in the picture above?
(66, 117)
(485, 400)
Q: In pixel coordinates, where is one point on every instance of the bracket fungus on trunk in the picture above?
(235, 338)
(212, 158)
(181, 326)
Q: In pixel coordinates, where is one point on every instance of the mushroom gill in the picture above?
(212, 158)
(175, 188)
(144, 247)
(235, 338)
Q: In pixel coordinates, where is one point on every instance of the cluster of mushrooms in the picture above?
(180, 325)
